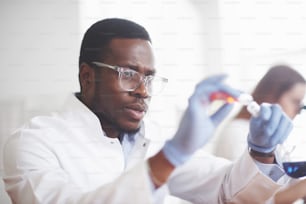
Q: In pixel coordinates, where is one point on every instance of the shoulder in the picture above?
(39, 128)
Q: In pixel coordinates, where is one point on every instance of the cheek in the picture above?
(291, 112)
(104, 101)
(289, 109)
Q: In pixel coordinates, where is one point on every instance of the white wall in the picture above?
(39, 46)
(256, 34)
(39, 43)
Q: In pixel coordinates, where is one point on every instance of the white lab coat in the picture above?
(64, 158)
(232, 140)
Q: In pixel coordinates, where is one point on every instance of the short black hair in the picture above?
(98, 36)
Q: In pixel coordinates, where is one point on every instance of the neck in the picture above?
(109, 129)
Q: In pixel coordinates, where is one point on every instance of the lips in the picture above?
(136, 111)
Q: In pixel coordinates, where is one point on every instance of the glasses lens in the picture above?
(129, 79)
(155, 85)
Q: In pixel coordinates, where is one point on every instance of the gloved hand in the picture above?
(196, 126)
(271, 127)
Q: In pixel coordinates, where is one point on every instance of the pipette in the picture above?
(244, 99)
(293, 169)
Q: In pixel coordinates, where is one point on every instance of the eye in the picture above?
(296, 102)
(129, 74)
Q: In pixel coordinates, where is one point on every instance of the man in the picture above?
(95, 149)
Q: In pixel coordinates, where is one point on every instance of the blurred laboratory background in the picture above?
(192, 39)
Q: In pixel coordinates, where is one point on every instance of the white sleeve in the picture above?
(231, 141)
(47, 184)
(211, 180)
(273, 171)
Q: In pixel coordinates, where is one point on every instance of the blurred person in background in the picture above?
(282, 85)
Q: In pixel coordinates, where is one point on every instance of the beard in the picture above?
(108, 123)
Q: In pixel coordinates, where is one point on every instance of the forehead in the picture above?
(136, 52)
(297, 91)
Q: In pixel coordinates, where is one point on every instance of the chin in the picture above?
(131, 128)
(133, 131)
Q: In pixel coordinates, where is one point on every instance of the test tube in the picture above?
(244, 99)
(248, 101)
(222, 96)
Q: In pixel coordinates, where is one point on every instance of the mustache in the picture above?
(139, 105)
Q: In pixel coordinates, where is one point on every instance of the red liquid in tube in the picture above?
(222, 96)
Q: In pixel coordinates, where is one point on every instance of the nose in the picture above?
(141, 91)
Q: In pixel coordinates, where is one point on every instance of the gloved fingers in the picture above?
(197, 104)
(260, 121)
(284, 128)
(202, 97)
(287, 133)
(221, 113)
(265, 112)
(209, 85)
(229, 90)
(274, 122)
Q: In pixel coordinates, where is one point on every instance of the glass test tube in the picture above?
(244, 99)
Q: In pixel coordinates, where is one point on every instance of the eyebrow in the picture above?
(135, 68)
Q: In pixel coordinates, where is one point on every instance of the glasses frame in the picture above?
(143, 79)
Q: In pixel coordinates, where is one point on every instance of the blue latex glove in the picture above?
(271, 127)
(196, 126)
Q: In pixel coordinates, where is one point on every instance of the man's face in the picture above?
(115, 107)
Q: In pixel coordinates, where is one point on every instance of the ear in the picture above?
(86, 78)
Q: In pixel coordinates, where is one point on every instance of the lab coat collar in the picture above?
(78, 113)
